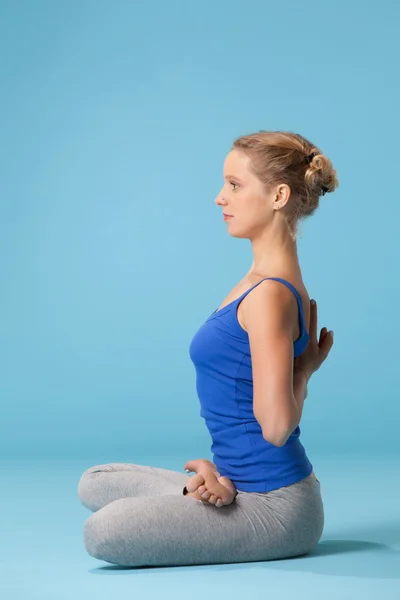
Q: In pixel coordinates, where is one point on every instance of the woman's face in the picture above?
(244, 197)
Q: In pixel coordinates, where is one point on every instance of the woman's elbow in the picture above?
(276, 439)
(278, 436)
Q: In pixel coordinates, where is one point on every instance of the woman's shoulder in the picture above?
(297, 282)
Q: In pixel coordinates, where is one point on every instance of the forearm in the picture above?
(300, 392)
(293, 415)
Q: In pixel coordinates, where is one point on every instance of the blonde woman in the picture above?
(253, 357)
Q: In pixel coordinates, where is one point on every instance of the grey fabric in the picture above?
(142, 518)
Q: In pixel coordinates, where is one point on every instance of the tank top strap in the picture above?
(295, 292)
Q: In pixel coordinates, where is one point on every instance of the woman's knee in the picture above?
(104, 539)
(93, 538)
(85, 485)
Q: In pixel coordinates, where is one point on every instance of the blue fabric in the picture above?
(220, 352)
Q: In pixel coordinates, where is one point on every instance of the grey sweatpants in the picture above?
(141, 518)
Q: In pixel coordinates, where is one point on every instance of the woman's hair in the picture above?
(281, 157)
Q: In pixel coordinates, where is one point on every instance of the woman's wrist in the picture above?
(307, 375)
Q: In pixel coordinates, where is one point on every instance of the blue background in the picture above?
(116, 118)
(116, 121)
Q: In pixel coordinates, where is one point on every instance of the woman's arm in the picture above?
(300, 392)
(300, 389)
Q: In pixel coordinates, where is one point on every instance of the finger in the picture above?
(218, 489)
(190, 465)
(322, 335)
(213, 499)
(194, 482)
(205, 490)
(326, 345)
(313, 321)
(206, 495)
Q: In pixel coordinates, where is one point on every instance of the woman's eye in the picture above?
(232, 183)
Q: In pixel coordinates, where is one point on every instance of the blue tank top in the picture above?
(220, 352)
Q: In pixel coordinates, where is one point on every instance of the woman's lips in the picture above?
(227, 217)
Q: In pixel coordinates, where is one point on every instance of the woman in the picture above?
(260, 499)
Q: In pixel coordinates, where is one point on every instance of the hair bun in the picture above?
(320, 175)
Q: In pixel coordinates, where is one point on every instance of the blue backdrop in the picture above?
(116, 120)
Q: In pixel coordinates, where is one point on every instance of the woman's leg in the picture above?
(103, 484)
(169, 529)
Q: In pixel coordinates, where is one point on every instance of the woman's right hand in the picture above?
(208, 481)
(316, 351)
(211, 489)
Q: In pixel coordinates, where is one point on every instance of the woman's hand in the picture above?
(316, 351)
(209, 488)
(208, 485)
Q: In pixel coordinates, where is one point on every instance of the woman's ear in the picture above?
(281, 197)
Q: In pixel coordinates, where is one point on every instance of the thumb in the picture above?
(190, 466)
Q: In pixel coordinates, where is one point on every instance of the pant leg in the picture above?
(172, 529)
(102, 484)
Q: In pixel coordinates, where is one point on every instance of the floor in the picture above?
(42, 554)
